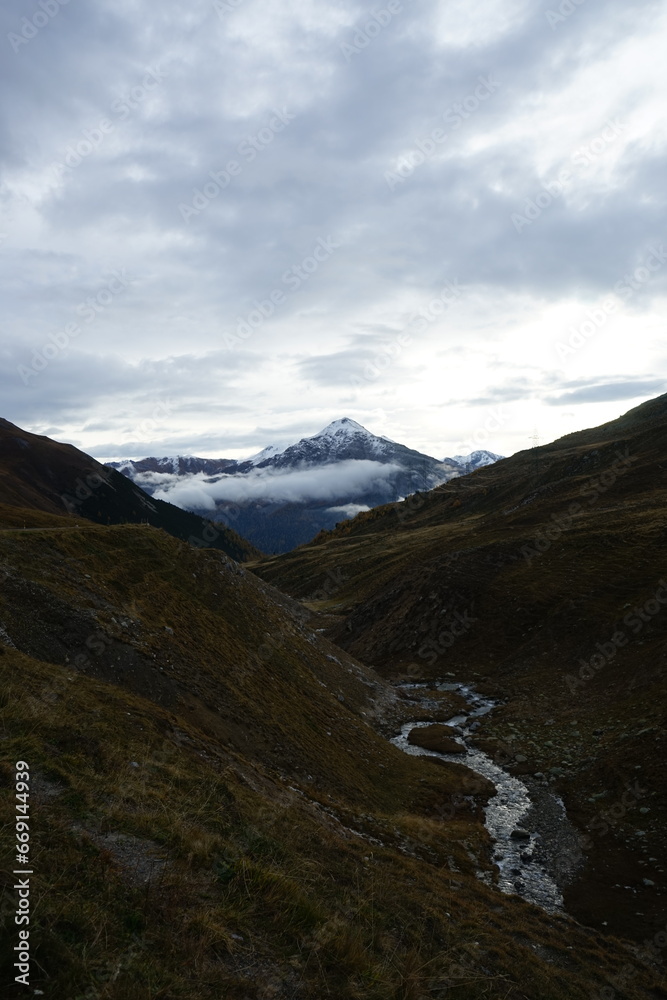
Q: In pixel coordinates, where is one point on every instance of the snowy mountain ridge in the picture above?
(476, 459)
(282, 496)
(337, 440)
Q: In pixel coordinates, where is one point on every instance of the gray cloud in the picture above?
(556, 390)
(623, 389)
(134, 148)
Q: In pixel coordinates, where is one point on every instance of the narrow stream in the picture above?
(520, 852)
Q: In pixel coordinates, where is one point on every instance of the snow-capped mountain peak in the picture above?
(477, 459)
(284, 494)
(347, 429)
(269, 452)
(335, 433)
(341, 439)
(343, 427)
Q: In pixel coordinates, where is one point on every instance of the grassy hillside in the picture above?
(215, 810)
(541, 577)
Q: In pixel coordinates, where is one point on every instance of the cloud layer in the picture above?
(225, 224)
(327, 482)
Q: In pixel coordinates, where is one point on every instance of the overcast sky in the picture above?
(224, 224)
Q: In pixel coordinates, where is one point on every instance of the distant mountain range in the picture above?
(282, 497)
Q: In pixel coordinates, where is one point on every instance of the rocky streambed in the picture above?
(535, 846)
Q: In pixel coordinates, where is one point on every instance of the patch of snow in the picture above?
(269, 452)
(348, 509)
(341, 431)
(477, 459)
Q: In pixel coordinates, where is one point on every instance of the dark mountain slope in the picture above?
(38, 473)
(542, 577)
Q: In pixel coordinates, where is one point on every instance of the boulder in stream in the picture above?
(437, 737)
